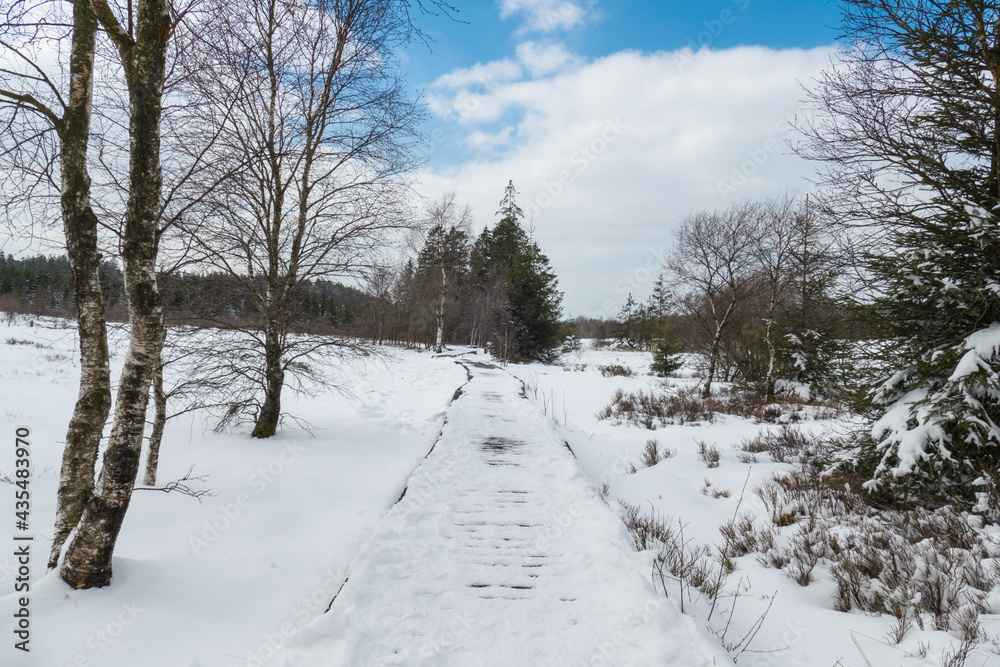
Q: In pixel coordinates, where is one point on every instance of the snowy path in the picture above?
(500, 552)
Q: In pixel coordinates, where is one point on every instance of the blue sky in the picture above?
(480, 35)
(646, 25)
(617, 119)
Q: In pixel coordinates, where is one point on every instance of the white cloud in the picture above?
(544, 59)
(488, 76)
(609, 155)
(484, 141)
(545, 15)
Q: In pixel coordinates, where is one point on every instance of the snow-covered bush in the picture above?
(932, 567)
(940, 429)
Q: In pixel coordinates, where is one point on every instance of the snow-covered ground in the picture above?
(501, 552)
(801, 627)
(227, 580)
(246, 575)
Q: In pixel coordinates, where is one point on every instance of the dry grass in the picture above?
(787, 444)
(929, 566)
(616, 370)
(708, 454)
(652, 454)
(655, 409)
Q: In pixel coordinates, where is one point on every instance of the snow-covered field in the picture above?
(229, 581)
(801, 627)
(225, 581)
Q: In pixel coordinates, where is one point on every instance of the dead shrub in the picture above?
(785, 445)
(616, 370)
(655, 409)
(743, 536)
(652, 454)
(647, 530)
(708, 454)
(690, 565)
(926, 565)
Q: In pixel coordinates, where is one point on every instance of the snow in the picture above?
(801, 628)
(215, 581)
(922, 405)
(244, 577)
(500, 552)
(910, 444)
(981, 346)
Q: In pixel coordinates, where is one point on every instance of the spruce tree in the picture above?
(526, 318)
(913, 151)
(666, 348)
(626, 326)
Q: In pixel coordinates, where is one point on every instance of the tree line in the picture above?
(265, 140)
(43, 285)
(497, 292)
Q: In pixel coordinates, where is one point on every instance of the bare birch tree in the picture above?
(713, 260)
(445, 255)
(325, 130)
(142, 46)
(34, 108)
(773, 250)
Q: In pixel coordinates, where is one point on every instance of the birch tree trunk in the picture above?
(771, 355)
(83, 437)
(88, 557)
(771, 351)
(159, 424)
(274, 380)
(713, 354)
(713, 358)
(439, 335)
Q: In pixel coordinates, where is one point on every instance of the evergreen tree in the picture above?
(626, 327)
(666, 358)
(525, 314)
(911, 144)
(812, 349)
(666, 347)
